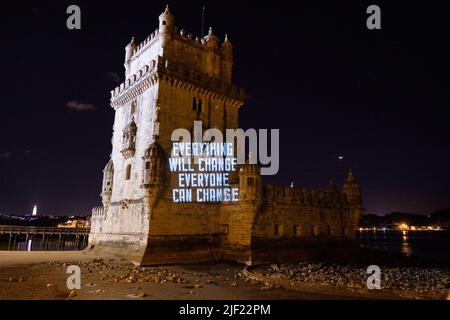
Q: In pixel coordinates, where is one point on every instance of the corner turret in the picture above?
(211, 41)
(108, 176)
(250, 183)
(166, 24)
(352, 190)
(130, 49)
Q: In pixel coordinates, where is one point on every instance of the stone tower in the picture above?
(352, 192)
(171, 80)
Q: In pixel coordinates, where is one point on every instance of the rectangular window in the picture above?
(224, 228)
(296, 230)
(128, 172)
(278, 230)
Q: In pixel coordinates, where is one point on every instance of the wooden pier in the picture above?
(44, 234)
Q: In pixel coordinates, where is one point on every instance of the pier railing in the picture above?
(31, 230)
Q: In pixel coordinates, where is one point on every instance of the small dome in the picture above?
(153, 151)
(166, 16)
(109, 166)
(226, 43)
(132, 43)
(351, 181)
(211, 40)
(131, 125)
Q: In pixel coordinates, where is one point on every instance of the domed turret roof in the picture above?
(153, 151)
(109, 166)
(166, 15)
(211, 40)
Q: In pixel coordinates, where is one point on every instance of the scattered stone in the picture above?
(49, 285)
(141, 294)
(234, 284)
(425, 282)
(72, 294)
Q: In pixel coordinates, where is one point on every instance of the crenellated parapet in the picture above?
(182, 74)
(98, 212)
(134, 85)
(302, 196)
(177, 74)
(177, 56)
(152, 38)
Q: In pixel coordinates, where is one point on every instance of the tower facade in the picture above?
(171, 80)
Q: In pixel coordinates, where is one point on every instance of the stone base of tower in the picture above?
(130, 247)
(240, 254)
(180, 249)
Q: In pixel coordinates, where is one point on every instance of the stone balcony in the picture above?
(128, 150)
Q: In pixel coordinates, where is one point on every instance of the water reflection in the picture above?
(406, 248)
(427, 244)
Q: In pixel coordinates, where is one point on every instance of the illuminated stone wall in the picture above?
(166, 77)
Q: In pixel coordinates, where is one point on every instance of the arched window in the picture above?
(128, 172)
(199, 107)
(194, 104)
(133, 108)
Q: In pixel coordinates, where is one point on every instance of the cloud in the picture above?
(5, 156)
(112, 78)
(77, 105)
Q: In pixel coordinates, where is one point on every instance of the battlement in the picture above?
(144, 44)
(175, 71)
(98, 212)
(134, 79)
(302, 196)
(184, 72)
(187, 39)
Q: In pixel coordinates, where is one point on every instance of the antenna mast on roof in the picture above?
(203, 19)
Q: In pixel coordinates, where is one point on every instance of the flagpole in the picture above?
(203, 19)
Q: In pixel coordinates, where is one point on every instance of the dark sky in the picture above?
(312, 69)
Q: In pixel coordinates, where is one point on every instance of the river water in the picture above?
(423, 244)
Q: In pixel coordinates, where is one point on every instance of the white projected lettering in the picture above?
(203, 171)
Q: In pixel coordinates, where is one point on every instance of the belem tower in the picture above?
(171, 80)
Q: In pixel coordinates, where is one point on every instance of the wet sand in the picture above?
(42, 276)
(37, 275)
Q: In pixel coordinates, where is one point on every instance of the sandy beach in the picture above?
(42, 275)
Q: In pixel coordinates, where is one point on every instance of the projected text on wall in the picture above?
(203, 172)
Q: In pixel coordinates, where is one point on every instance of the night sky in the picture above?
(378, 98)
